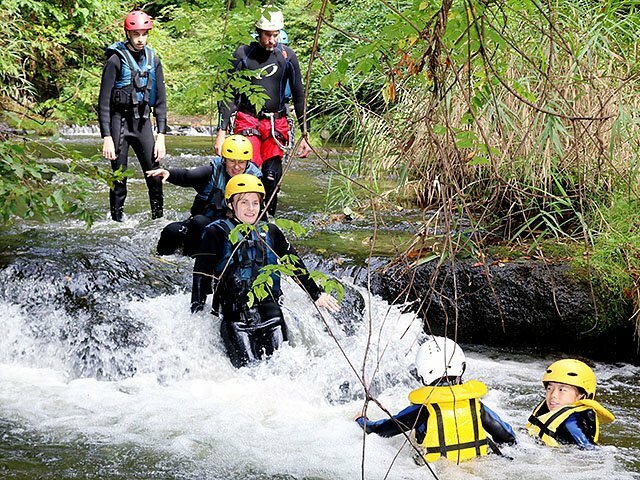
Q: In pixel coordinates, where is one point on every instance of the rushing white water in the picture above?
(104, 373)
(291, 416)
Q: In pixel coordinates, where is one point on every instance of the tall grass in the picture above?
(531, 131)
(516, 118)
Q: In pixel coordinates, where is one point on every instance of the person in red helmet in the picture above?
(132, 87)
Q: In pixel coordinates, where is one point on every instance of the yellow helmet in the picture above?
(237, 147)
(243, 183)
(572, 372)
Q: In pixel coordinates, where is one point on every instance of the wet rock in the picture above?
(91, 287)
(528, 305)
(351, 311)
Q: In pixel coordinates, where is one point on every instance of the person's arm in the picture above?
(297, 90)
(500, 431)
(577, 429)
(299, 103)
(227, 107)
(403, 421)
(196, 177)
(160, 108)
(211, 245)
(110, 72)
(282, 247)
(160, 112)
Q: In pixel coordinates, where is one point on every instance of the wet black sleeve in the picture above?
(500, 431)
(402, 421)
(110, 72)
(197, 177)
(211, 246)
(283, 247)
(297, 90)
(160, 109)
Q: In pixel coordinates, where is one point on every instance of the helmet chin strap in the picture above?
(445, 381)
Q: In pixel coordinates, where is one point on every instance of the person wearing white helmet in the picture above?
(267, 127)
(569, 413)
(447, 416)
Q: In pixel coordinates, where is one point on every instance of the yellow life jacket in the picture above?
(454, 429)
(545, 424)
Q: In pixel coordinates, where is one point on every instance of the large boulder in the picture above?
(524, 304)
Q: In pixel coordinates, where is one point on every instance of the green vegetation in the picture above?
(510, 120)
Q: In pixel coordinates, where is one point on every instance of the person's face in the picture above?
(246, 207)
(234, 167)
(138, 38)
(558, 395)
(268, 39)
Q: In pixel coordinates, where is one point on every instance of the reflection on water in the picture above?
(104, 374)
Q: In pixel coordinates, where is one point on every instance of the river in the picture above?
(104, 374)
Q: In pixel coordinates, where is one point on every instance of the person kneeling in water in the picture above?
(248, 333)
(569, 414)
(209, 181)
(447, 416)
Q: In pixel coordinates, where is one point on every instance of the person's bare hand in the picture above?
(159, 172)
(327, 301)
(304, 149)
(159, 149)
(108, 148)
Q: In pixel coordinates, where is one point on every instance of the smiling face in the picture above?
(234, 167)
(268, 39)
(558, 395)
(246, 207)
(138, 39)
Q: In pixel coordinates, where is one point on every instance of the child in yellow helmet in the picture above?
(569, 413)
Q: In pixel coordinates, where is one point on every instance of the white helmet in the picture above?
(270, 20)
(439, 357)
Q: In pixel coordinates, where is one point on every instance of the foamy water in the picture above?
(291, 416)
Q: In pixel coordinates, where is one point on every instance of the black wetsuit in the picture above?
(255, 57)
(186, 234)
(248, 333)
(281, 68)
(128, 131)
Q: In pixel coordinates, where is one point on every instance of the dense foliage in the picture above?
(511, 118)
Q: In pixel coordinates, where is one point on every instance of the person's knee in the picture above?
(237, 344)
(172, 238)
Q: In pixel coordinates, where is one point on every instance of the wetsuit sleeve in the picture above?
(576, 428)
(281, 247)
(297, 91)
(160, 109)
(110, 72)
(197, 177)
(500, 431)
(211, 245)
(403, 421)
(226, 108)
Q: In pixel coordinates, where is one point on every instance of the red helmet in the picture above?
(138, 20)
